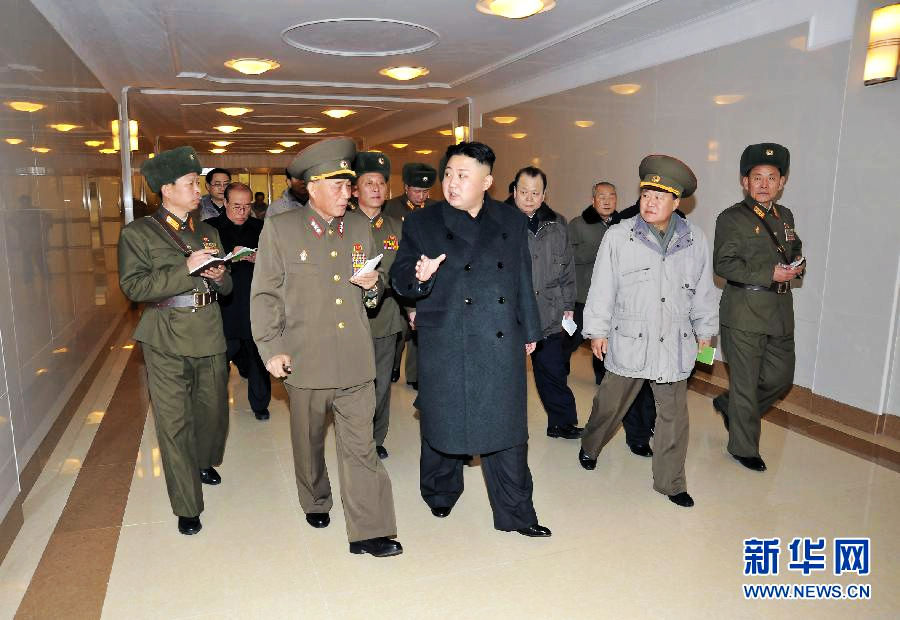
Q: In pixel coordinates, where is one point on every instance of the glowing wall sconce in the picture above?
(884, 46)
(132, 135)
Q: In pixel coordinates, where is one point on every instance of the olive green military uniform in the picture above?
(184, 350)
(757, 324)
(303, 304)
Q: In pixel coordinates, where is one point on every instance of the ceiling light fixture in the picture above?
(25, 106)
(424, 151)
(514, 9)
(236, 111)
(884, 46)
(64, 127)
(217, 151)
(220, 143)
(14, 141)
(276, 151)
(404, 74)
(226, 128)
(399, 145)
(625, 89)
(727, 99)
(584, 124)
(94, 143)
(338, 113)
(252, 66)
(108, 151)
(505, 120)
(461, 133)
(40, 149)
(445, 132)
(311, 129)
(132, 135)
(288, 143)
(517, 136)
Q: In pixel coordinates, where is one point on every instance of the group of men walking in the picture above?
(479, 284)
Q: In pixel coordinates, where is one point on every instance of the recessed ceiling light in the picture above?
(108, 151)
(288, 143)
(64, 127)
(40, 149)
(236, 111)
(727, 99)
(625, 89)
(14, 140)
(404, 73)
(505, 120)
(514, 9)
(424, 151)
(226, 128)
(25, 106)
(311, 129)
(399, 145)
(252, 66)
(338, 113)
(94, 143)
(220, 143)
(584, 124)
(217, 151)
(276, 151)
(518, 136)
(445, 132)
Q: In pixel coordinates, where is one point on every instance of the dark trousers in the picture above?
(641, 416)
(384, 358)
(245, 356)
(408, 340)
(506, 476)
(549, 362)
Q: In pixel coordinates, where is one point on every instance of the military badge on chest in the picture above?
(392, 243)
(209, 245)
(379, 223)
(304, 256)
(789, 234)
(359, 257)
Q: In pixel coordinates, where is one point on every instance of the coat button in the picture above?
(341, 325)
(663, 299)
(661, 339)
(338, 301)
(336, 278)
(499, 334)
(502, 300)
(504, 235)
(333, 253)
(450, 236)
(499, 265)
(468, 301)
(468, 267)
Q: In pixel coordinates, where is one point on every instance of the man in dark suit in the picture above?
(238, 230)
(467, 263)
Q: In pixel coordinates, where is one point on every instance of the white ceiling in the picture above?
(147, 45)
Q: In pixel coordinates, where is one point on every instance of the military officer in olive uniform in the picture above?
(755, 245)
(373, 170)
(418, 179)
(180, 330)
(308, 316)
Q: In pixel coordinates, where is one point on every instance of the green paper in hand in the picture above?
(706, 355)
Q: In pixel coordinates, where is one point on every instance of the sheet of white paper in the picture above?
(370, 265)
(570, 326)
(798, 262)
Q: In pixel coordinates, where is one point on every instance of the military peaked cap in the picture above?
(327, 159)
(372, 161)
(765, 153)
(416, 174)
(668, 174)
(169, 166)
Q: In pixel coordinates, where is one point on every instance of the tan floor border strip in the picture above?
(14, 519)
(71, 578)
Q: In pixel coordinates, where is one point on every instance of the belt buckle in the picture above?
(783, 287)
(199, 300)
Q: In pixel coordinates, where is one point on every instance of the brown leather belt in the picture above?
(776, 287)
(191, 300)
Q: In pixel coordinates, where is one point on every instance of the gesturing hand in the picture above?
(425, 267)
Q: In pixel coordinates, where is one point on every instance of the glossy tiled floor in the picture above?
(618, 549)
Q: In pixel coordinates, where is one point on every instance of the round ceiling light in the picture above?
(517, 136)
(584, 124)
(235, 111)
(64, 127)
(311, 129)
(276, 151)
(25, 106)
(226, 128)
(424, 151)
(514, 9)
(108, 151)
(445, 132)
(727, 99)
(625, 89)
(220, 143)
(217, 151)
(40, 149)
(404, 73)
(94, 143)
(252, 66)
(14, 141)
(505, 120)
(399, 145)
(288, 143)
(338, 113)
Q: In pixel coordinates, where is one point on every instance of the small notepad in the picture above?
(706, 355)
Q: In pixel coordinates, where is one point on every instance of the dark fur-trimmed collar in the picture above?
(591, 216)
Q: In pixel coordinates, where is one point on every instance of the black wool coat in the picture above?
(473, 319)
(236, 306)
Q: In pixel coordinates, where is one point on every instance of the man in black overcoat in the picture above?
(466, 262)
(238, 230)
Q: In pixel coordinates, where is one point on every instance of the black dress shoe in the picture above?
(413, 384)
(722, 412)
(381, 451)
(262, 415)
(189, 525)
(210, 476)
(381, 547)
(641, 449)
(318, 519)
(751, 462)
(566, 431)
(535, 531)
(441, 512)
(395, 375)
(682, 499)
(586, 461)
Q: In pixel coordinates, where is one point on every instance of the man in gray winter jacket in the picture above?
(651, 303)
(553, 276)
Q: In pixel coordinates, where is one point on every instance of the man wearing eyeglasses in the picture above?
(213, 204)
(239, 231)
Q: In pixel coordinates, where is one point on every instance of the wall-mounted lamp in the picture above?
(884, 46)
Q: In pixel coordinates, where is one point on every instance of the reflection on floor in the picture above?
(618, 549)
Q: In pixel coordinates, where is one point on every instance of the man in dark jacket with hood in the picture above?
(466, 261)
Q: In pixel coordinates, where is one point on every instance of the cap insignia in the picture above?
(191, 155)
(381, 160)
(654, 178)
(769, 152)
(345, 164)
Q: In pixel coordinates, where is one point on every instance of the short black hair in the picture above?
(287, 174)
(512, 186)
(478, 151)
(258, 194)
(209, 175)
(532, 172)
(237, 185)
